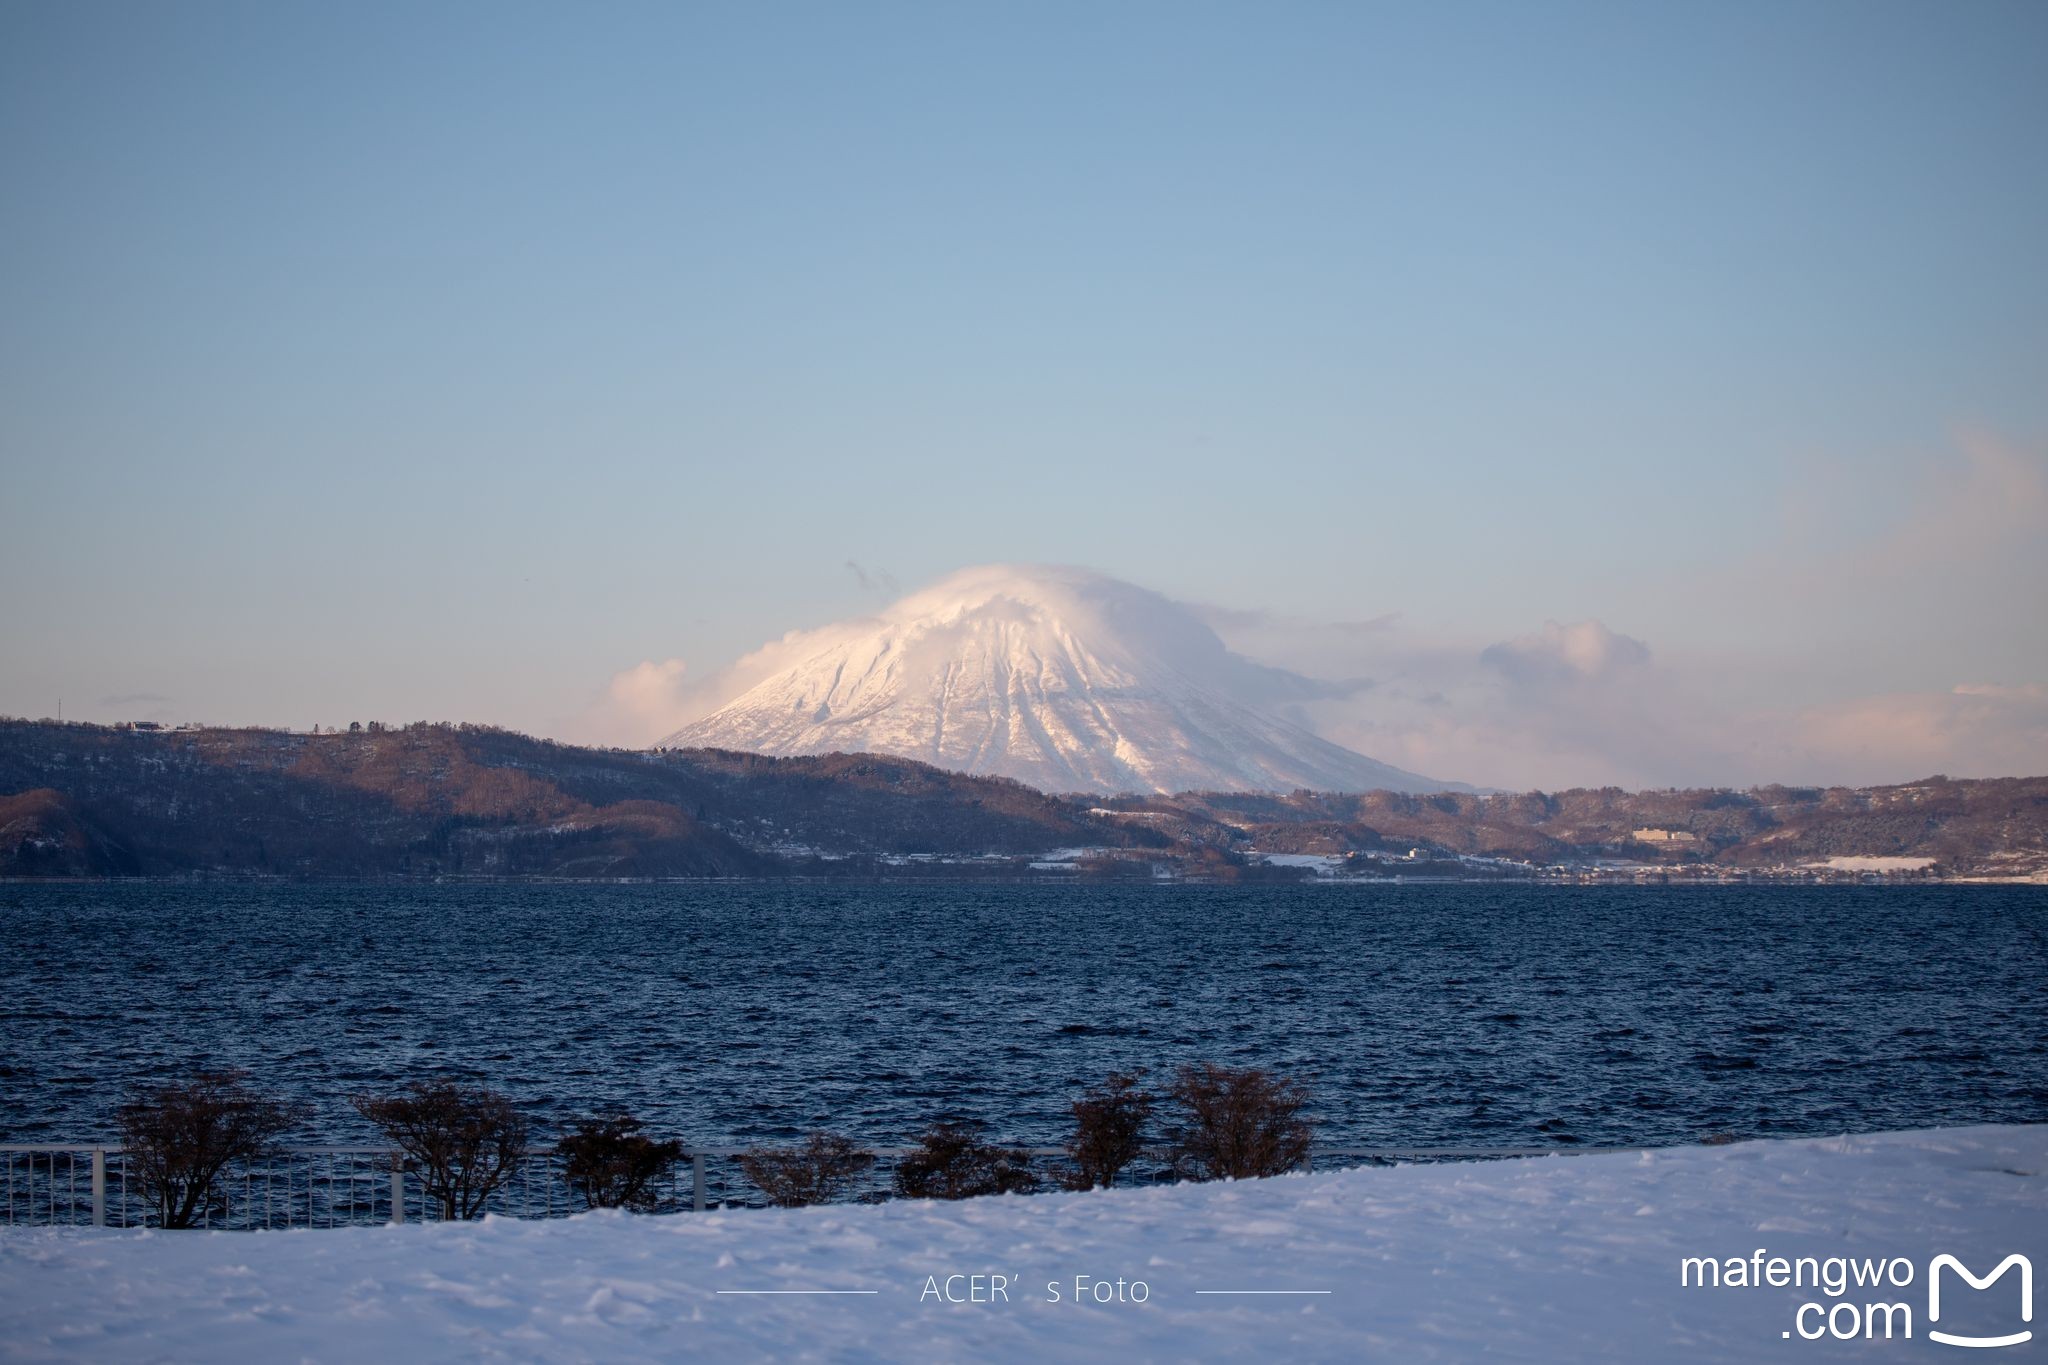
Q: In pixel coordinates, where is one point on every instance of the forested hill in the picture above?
(442, 800)
(1992, 827)
(469, 801)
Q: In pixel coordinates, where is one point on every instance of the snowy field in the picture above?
(1553, 1259)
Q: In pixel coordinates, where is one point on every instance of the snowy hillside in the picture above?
(1062, 679)
(1557, 1258)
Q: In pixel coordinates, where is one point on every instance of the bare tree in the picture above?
(952, 1162)
(1238, 1123)
(1109, 1131)
(819, 1171)
(466, 1140)
(178, 1138)
(614, 1165)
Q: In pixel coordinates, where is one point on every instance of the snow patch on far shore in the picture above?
(1870, 863)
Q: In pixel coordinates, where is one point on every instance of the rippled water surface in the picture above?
(1419, 1014)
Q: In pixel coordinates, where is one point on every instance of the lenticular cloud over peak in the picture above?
(1059, 677)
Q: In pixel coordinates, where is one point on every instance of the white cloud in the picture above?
(1576, 704)
(1826, 612)
(1582, 704)
(637, 704)
(1830, 611)
(1972, 730)
(1585, 651)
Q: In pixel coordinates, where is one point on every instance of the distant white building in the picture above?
(1665, 836)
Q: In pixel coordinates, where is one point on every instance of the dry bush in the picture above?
(1109, 1131)
(952, 1162)
(1238, 1123)
(614, 1165)
(819, 1171)
(465, 1140)
(178, 1138)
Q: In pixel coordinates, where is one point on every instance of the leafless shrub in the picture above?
(952, 1162)
(1238, 1123)
(179, 1138)
(466, 1140)
(819, 1171)
(614, 1165)
(1109, 1131)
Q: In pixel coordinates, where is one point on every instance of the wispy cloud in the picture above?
(877, 581)
(1583, 705)
(1566, 655)
(1991, 493)
(638, 705)
(650, 700)
(1575, 702)
(1972, 730)
(1256, 618)
(1847, 534)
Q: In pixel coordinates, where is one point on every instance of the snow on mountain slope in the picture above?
(1062, 679)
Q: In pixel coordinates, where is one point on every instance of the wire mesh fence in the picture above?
(326, 1187)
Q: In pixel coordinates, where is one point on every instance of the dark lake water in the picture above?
(1453, 1015)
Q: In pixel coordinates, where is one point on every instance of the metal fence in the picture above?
(83, 1185)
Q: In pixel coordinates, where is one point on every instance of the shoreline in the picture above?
(1571, 881)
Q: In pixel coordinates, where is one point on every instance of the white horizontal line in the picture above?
(796, 1291)
(1262, 1291)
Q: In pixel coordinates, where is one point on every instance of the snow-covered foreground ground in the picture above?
(1562, 1258)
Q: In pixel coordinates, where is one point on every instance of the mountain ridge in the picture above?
(431, 802)
(1060, 678)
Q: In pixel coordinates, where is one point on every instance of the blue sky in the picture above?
(445, 360)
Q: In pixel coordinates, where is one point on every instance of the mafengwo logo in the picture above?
(1946, 1262)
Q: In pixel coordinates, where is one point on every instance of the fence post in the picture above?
(99, 1187)
(697, 1182)
(397, 1188)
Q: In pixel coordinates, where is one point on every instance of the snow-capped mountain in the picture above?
(1060, 678)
